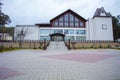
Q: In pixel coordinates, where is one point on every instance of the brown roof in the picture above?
(68, 11)
(98, 12)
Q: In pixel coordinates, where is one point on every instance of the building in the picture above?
(69, 25)
(5, 37)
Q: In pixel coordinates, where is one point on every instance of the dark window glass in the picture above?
(71, 24)
(81, 24)
(66, 17)
(61, 24)
(66, 24)
(56, 23)
(76, 19)
(76, 24)
(71, 17)
(61, 19)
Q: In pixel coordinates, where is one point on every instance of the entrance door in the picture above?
(57, 37)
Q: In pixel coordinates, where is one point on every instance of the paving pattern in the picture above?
(82, 57)
(60, 65)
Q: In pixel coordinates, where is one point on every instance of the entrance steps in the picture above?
(55, 45)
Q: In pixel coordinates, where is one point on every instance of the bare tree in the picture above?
(20, 34)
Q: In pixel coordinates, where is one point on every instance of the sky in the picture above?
(30, 12)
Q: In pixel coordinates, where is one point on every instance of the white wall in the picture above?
(32, 32)
(90, 30)
(106, 32)
(95, 31)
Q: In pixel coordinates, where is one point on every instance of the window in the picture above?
(68, 31)
(45, 31)
(71, 24)
(61, 24)
(71, 17)
(69, 37)
(56, 23)
(44, 37)
(66, 17)
(66, 24)
(80, 38)
(76, 24)
(80, 32)
(61, 19)
(76, 19)
(81, 24)
(57, 31)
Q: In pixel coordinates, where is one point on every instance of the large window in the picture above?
(80, 32)
(45, 37)
(76, 24)
(60, 31)
(66, 17)
(80, 38)
(71, 24)
(71, 17)
(76, 19)
(66, 24)
(61, 24)
(68, 31)
(44, 31)
(56, 23)
(81, 24)
(61, 19)
(68, 20)
(69, 37)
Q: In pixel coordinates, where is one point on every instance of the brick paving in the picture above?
(60, 65)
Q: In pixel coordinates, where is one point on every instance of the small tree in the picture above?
(116, 27)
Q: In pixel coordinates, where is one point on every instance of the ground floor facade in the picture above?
(61, 34)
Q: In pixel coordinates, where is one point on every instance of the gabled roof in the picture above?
(99, 11)
(68, 11)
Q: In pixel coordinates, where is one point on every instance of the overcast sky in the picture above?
(25, 12)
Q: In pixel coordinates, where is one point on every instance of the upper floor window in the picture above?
(69, 20)
(61, 24)
(81, 24)
(71, 17)
(56, 23)
(71, 24)
(66, 17)
(66, 24)
(76, 24)
(61, 19)
(76, 19)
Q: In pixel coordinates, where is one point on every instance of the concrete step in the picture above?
(55, 45)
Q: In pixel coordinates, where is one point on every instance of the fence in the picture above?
(34, 44)
(92, 44)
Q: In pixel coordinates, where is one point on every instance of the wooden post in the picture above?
(69, 44)
(44, 48)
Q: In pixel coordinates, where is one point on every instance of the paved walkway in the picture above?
(60, 65)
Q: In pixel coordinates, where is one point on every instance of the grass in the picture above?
(96, 47)
(4, 49)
